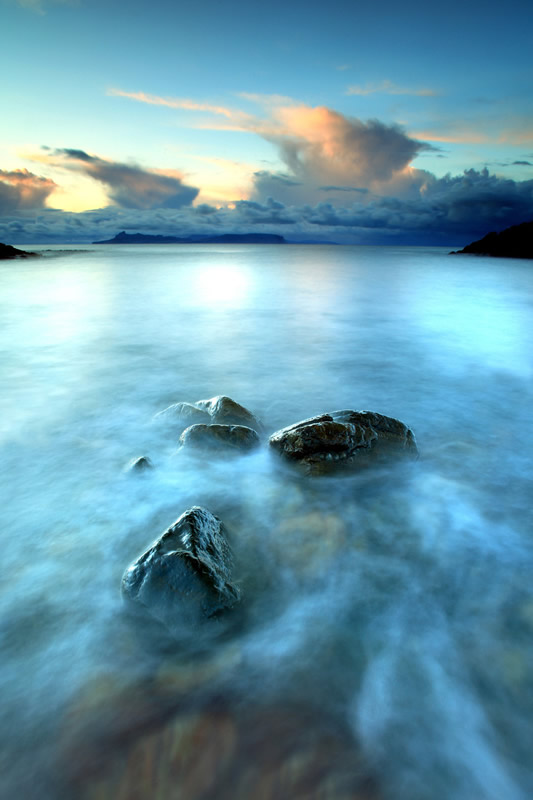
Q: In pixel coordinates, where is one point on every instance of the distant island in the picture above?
(514, 242)
(7, 251)
(225, 238)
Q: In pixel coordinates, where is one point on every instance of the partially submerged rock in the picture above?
(184, 578)
(140, 464)
(343, 439)
(218, 410)
(225, 411)
(220, 437)
(183, 414)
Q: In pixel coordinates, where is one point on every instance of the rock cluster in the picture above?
(184, 578)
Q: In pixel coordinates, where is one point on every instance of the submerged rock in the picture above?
(140, 464)
(220, 437)
(343, 439)
(225, 411)
(184, 578)
(219, 410)
(183, 414)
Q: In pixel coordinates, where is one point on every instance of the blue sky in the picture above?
(342, 121)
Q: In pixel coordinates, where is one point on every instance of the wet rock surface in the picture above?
(225, 411)
(343, 439)
(140, 464)
(221, 438)
(218, 410)
(183, 415)
(184, 579)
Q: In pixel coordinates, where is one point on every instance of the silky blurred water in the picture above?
(398, 601)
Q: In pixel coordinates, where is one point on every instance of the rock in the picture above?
(343, 439)
(513, 242)
(220, 437)
(184, 414)
(183, 580)
(7, 251)
(140, 464)
(225, 411)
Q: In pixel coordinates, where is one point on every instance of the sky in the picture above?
(346, 122)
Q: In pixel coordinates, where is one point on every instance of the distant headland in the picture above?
(514, 242)
(225, 238)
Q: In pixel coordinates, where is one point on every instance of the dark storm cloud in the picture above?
(275, 177)
(450, 211)
(343, 189)
(128, 185)
(20, 189)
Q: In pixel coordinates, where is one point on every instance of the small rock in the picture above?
(220, 437)
(343, 439)
(184, 579)
(140, 464)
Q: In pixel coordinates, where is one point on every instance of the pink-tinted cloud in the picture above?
(171, 102)
(388, 87)
(321, 147)
(20, 189)
(457, 136)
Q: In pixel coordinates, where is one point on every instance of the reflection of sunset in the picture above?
(227, 286)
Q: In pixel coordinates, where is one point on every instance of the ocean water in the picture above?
(391, 610)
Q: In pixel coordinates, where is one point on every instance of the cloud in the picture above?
(450, 211)
(466, 136)
(343, 189)
(129, 185)
(321, 147)
(387, 87)
(317, 145)
(171, 102)
(523, 163)
(20, 189)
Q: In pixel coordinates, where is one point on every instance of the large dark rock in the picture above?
(184, 578)
(513, 242)
(220, 438)
(225, 411)
(7, 251)
(343, 439)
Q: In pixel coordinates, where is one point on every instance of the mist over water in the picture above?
(396, 603)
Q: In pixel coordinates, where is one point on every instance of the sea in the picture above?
(383, 644)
